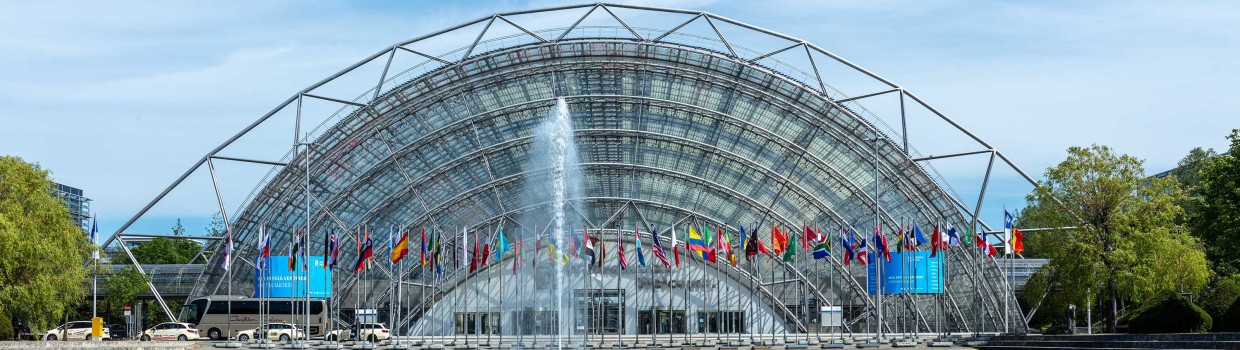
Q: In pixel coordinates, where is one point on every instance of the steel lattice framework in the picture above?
(673, 124)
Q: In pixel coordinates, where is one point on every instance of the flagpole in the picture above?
(490, 322)
(228, 272)
(753, 271)
(877, 226)
(463, 266)
(422, 296)
(622, 292)
(688, 290)
(654, 300)
(718, 307)
(94, 285)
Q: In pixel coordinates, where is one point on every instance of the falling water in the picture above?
(554, 153)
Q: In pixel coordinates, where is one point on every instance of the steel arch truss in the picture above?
(692, 124)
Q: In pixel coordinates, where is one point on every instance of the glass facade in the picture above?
(76, 202)
(677, 129)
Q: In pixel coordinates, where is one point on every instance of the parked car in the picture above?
(281, 331)
(118, 331)
(372, 332)
(170, 331)
(76, 330)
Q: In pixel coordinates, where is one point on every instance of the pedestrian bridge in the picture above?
(174, 281)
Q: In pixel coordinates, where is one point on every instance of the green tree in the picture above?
(1187, 170)
(122, 288)
(1216, 217)
(43, 253)
(165, 250)
(1220, 296)
(1129, 244)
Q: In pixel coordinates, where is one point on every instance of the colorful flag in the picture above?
(333, 251)
(778, 241)
(808, 238)
(401, 249)
(712, 240)
(305, 251)
(263, 252)
(602, 250)
(94, 238)
(464, 248)
(364, 257)
(620, 251)
(486, 255)
(917, 234)
(726, 246)
(789, 254)
(748, 244)
(537, 247)
(942, 233)
(880, 243)
(980, 240)
(573, 244)
(903, 244)
(695, 244)
(437, 262)
(516, 258)
(473, 259)
(675, 247)
(228, 246)
(266, 248)
(423, 251)
(589, 247)
(503, 246)
(935, 242)
(1008, 224)
(659, 252)
(637, 237)
(292, 251)
(863, 254)
(1018, 241)
(848, 245)
(822, 250)
(990, 250)
(952, 238)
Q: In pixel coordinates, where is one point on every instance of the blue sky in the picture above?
(119, 98)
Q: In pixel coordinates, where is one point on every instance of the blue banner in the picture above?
(907, 273)
(283, 283)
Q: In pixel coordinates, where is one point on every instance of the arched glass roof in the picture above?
(675, 123)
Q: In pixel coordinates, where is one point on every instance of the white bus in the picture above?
(211, 316)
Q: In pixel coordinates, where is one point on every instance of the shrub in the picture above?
(1230, 322)
(1219, 299)
(1170, 313)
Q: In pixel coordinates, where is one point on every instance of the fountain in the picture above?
(559, 181)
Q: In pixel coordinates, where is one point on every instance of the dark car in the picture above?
(118, 331)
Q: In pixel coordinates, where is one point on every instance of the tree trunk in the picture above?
(1114, 315)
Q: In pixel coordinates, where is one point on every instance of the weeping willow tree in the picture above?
(1130, 241)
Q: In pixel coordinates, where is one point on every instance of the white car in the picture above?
(281, 331)
(372, 332)
(170, 331)
(76, 330)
